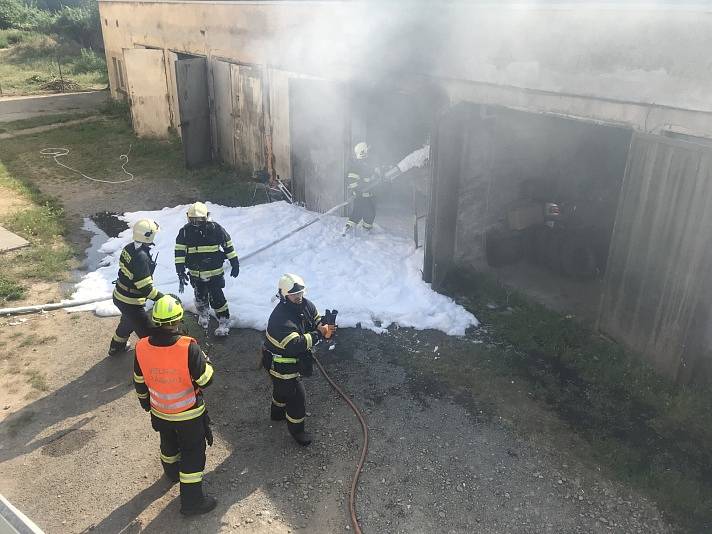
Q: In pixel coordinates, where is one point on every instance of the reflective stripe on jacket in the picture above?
(166, 374)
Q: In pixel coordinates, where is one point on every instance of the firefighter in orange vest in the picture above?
(170, 372)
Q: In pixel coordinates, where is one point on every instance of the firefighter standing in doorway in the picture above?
(134, 286)
(170, 371)
(294, 327)
(202, 247)
(360, 176)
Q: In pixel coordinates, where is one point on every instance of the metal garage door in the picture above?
(193, 102)
(249, 118)
(148, 91)
(657, 292)
(224, 120)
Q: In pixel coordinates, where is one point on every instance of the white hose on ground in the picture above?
(407, 163)
(55, 153)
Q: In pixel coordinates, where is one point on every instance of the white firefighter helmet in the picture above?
(198, 211)
(144, 231)
(291, 284)
(361, 150)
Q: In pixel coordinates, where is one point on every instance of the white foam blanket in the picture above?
(371, 279)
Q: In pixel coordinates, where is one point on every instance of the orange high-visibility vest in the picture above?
(165, 370)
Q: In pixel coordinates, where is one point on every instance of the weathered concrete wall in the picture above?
(658, 295)
(629, 66)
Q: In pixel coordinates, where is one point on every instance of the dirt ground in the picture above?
(78, 453)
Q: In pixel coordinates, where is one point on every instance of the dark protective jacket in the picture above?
(291, 334)
(199, 367)
(135, 281)
(202, 249)
(360, 176)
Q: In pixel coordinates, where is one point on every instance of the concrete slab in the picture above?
(25, 107)
(10, 241)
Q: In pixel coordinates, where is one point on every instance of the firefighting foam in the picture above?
(374, 280)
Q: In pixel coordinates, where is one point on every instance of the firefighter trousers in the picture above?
(364, 209)
(133, 319)
(288, 402)
(210, 293)
(183, 455)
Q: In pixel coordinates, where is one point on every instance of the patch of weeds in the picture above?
(50, 264)
(15, 335)
(644, 428)
(37, 380)
(40, 223)
(29, 341)
(10, 289)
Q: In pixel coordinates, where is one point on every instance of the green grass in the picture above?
(10, 289)
(95, 149)
(37, 380)
(43, 120)
(35, 60)
(43, 224)
(646, 430)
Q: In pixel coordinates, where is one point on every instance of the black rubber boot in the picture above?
(276, 413)
(207, 504)
(303, 438)
(171, 472)
(115, 350)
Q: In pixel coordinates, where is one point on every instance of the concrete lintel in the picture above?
(647, 118)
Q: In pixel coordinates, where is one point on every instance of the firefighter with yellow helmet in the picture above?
(361, 176)
(202, 246)
(170, 372)
(134, 286)
(294, 328)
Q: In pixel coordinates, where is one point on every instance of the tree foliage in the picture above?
(76, 20)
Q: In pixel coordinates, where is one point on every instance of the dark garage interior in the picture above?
(536, 199)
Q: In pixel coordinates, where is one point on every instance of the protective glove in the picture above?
(208, 431)
(145, 404)
(235, 268)
(183, 279)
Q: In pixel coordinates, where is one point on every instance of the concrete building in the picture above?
(570, 145)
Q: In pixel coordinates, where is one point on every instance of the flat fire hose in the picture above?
(364, 448)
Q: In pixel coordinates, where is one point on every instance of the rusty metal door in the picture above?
(249, 118)
(224, 120)
(318, 127)
(657, 294)
(148, 91)
(193, 102)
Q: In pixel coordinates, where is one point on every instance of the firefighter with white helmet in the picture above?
(360, 176)
(134, 285)
(294, 328)
(202, 246)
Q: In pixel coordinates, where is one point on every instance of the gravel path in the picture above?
(83, 458)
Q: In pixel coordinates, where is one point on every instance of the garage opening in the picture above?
(395, 122)
(536, 201)
(191, 78)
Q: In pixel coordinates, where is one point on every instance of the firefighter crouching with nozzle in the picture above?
(293, 329)
(170, 371)
(134, 286)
